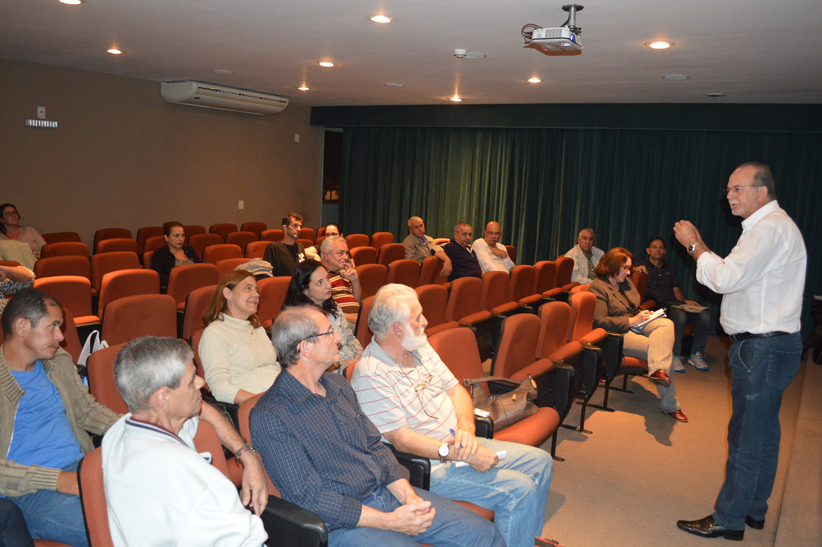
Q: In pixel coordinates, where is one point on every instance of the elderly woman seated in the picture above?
(10, 229)
(13, 279)
(238, 357)
(310, 286)
(617, 310)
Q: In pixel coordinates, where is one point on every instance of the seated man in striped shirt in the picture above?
(416, 403)
(345, 285)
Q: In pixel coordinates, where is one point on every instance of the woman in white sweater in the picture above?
(237, 355)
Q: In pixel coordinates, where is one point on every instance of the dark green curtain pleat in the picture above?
(544, 185)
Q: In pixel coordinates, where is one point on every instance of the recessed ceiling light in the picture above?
(326, 64)
(659, 44)
(533, 80)
(381, 19)
(303, 88)
(114, 51)
(393, 85)
(71, 2)
(675, 77)
(222, 72)
(456, 99)
(714, 95)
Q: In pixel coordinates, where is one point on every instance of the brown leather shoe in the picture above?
(708, 528)
(677, 415)
(660, 378)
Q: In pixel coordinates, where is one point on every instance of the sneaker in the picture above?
(697, 360)
(679, 364)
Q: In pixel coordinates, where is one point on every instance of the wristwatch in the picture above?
(444, 450)
(692, 247)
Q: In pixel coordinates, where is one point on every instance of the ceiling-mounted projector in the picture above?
(556, 40)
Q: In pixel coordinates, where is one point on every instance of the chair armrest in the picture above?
(418, 467)
(289, 524)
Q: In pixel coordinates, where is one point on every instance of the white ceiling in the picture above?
(753, 51)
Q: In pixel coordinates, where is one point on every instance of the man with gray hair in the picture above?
(464, 261)
(419, 246)
(345, 283)
(325, 455)
(159, 490)
(417, 404)
(586, 257)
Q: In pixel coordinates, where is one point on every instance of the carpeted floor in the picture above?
(639, 471)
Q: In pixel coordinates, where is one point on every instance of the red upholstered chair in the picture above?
(222, 230)
(193, 230)
(109, 233)
(73, 292)
(495, 293)
(141, 315)
(196, 303)
(458, 350)
(104, 263)
(152, 244)
(116, 245)
(579, 289)
(430, 271)
(357, 240)
(256, 249)
(378, 239)
(242, 239)
(546, 271)
(196, 337)
(434, 302)
(372, 277)
(215, 253)
(101, 378)
(71, 338)
(391, 252)
(60, 237)
(521, 282)
(319, 241)
(66, 248)
(62, 265)
(320, 232)
(271, 235)
(273, 291)
(512, 253)
(306, 242)
(243, 414)
(464, 306)
(186, 278)
(256, 228)
(362, 331)
(200, 241)
(404, 271)
(123, 283)
(93, 499)
(307, 233)
(147, 256)
(562, 281)
(229, 264)
(364, 255)
(144, 234)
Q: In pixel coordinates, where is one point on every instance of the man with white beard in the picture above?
(406, 390)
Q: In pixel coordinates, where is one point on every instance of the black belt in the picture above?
(738, 337)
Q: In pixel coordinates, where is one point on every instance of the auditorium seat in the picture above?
(256, 249)
(404, 271)
(197, 302)
(104, 263)
(222, 230)
(60, 237)
(223, 251)
(123, 283)
(434, 302)
(62, 265)
(199, 242)
(242, 239)
(372, 277)
(307, 233)
(357, 240)
(193, 230)
(152, 244)
(116, 245)
(364, 255)
(378, 239)
(256, 228)
(226, 265)
(273, 291)
(65, 248)
(73, 292)
(391, 252)
(271, 235)
(109, 233)
(144, 234)
(186, 278)
(141, 315)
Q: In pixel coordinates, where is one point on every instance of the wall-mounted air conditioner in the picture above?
(221, 97)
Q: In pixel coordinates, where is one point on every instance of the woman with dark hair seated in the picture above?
(309, 286)
(238, 357)
(174, 253)
(10, 229)
(617, 310)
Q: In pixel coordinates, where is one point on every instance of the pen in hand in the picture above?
(455, 436)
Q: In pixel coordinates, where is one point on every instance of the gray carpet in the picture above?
(639, 472)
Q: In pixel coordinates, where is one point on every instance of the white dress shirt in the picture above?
(764, 276)
(489, 262)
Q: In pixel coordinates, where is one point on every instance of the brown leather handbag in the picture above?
(510, 401)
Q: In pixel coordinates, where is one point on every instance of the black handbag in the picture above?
(510, 403)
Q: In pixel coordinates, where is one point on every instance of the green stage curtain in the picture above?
(544, 185)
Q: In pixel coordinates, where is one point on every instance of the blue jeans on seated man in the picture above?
(702, 327)
(516, 489)
(53, 515)
(13, 530)
(453, 525)
(761, 370)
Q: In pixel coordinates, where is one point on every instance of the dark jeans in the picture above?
(13, 530)
(701, 323)
(761, 370)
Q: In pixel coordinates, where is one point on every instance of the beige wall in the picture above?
(122, 157)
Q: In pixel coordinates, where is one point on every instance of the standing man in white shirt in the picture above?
(762, 281)
(586, 257)
(490, 252)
